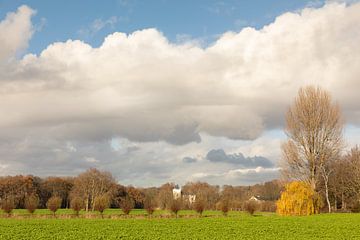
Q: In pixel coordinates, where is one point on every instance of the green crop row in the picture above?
(324, 226)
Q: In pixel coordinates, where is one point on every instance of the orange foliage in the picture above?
(298, 199)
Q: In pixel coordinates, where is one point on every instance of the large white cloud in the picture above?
(15, 32)
(144, 88)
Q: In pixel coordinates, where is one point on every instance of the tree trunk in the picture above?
(327, 196)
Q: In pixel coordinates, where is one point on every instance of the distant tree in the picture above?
(8, 204)
(175, 206)
(101, 203)
(76, 204)
(57, 186)
(314, 128)
(165, 195)
(224, 206)
(150, 205)
(137, 195)
(31, 203)
(53, 204)
(299, 199)
(91, 184)
(127, 204)
(199, 205)
(251, 206)
(209, 193)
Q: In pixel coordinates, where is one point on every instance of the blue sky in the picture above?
(204, 19)
(167, 91)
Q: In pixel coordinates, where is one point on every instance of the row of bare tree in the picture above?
(93, 188)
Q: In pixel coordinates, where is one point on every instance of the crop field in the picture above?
(235, 226)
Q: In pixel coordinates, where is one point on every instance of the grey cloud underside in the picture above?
(164, 97)
(219, 155)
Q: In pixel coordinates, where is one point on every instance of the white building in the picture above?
(177, 193)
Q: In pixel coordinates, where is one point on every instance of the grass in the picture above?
(236, 226)
(134, 212)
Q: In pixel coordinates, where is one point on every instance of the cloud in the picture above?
(15, 32)
(219, 155)
(189, 160)
(165, 97)
(142, 87)
(236, 176)
(99, 24)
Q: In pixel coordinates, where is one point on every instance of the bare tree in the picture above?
(53, 204)
(8, 204)
(31, 203)
(314, 128)
(101, 203)
(91, 184)
(199, 205)
(77, 204)
(175, 206)
(149, 204)
(127, 204)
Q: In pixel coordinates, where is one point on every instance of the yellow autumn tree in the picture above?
(298, 199)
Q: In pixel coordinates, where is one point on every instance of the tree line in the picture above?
(94, 189)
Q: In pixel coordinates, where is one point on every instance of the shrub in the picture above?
(251, 206)
(101, 203)
(149, 205)
(224, 206)
(31, 203)
(7, 205)
(199, 205)
(77, 204)
(175, 206)
(298, 199)
(127, 204)
(53, 204)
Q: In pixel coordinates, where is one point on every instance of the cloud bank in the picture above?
(143, 88)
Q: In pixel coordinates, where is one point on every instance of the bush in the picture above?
(53, 204)
(31, 203)
(127, 204)
(149, 205)
(298, 199)
(224, 206)
(77, 204)
(199, 206)
(101, 203)
(7, 205)
(175, 206)
(251, 206)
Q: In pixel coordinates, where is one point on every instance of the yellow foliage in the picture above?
(298, 199)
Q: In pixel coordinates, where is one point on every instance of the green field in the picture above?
(236, 226)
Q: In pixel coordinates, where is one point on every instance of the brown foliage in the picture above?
(31, 203)
(127, 204)
(91, 184)
(251, 206)
(101, 203)
(199, 205)
(7, 205)
(76, 204)
(150, 205)
(53, 204)
(175, 206)
(224, 206)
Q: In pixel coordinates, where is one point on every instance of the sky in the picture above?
(167, 91)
